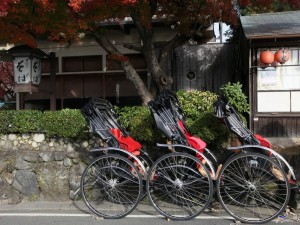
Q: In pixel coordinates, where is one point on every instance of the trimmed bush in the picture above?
(20, 121)
(198, 110)
(139, 122)
(68, 123)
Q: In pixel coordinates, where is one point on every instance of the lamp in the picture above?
(27, 67)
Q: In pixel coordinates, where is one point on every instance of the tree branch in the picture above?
(175, 42)
(133, 47)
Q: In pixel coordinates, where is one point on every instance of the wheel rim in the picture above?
(253, 188)
(111, 186)
(177, 189)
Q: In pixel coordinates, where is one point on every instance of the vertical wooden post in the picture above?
(17, 101)
(52, 81)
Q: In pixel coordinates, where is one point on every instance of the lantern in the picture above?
(267, 57)
(261, 64)
(27, 67)
(282, 56)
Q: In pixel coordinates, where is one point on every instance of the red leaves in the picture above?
(62, 20)
(4, 6)
(6, 78)
(75, 5)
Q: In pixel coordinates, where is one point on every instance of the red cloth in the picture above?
(263, 142)
(127, 143)
(193, 141)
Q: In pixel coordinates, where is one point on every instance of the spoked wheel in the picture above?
(147, 162)
(176, 188)
(253, 188)
(111, 186)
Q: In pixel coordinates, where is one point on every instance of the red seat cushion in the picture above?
(127, 143)
(193, 141)
(263, 142)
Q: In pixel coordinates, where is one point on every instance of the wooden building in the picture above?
(274, 87)
(85, 70)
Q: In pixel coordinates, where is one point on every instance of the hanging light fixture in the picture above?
(267, 57)
(282, 56)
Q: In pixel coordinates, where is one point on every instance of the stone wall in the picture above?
(34, 167)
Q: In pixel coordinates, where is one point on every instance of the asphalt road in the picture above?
(51, 219)
(76, 213)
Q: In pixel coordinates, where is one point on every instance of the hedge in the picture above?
(137, 120)
(68, 123)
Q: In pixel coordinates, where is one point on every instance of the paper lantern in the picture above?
(282, 56)
(265, 65)
(267, 57)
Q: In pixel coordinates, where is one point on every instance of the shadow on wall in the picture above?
(213, 65)
(282, 140)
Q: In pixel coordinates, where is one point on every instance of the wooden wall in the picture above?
(277, 126)
(213, 65)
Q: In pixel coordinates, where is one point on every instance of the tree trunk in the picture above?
(161, 79)
(130, 72)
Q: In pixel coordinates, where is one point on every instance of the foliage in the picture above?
(12, 121)
(198, 110)
(6, 80)
(139, 122)
(263, 6)
(210, 129)
(66, 21)
(66, 123)
(234, 92)
(63, 20)
(195, 102)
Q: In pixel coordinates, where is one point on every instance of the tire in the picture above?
(111, 186)
(253, 188)
(176, 188)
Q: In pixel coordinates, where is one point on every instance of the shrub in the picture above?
(68, 123)
(20, 121)
(5, 120)
(193, 102)
(198, 109)
(234, 92)
(139, 122)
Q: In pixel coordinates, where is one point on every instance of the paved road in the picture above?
(75, 213)
(83, 219)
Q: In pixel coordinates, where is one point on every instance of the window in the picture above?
(82, 63)
(278, 85)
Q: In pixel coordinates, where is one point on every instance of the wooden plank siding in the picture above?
(277, 126)
(213, 65)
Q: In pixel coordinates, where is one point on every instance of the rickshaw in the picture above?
(253, 185)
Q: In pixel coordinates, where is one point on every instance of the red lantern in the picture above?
(264, 65)
(261, 64)
(282, 56)
(267, 57)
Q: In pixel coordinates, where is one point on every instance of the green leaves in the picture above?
(234, 92)
(139, 122)
(67, 123)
